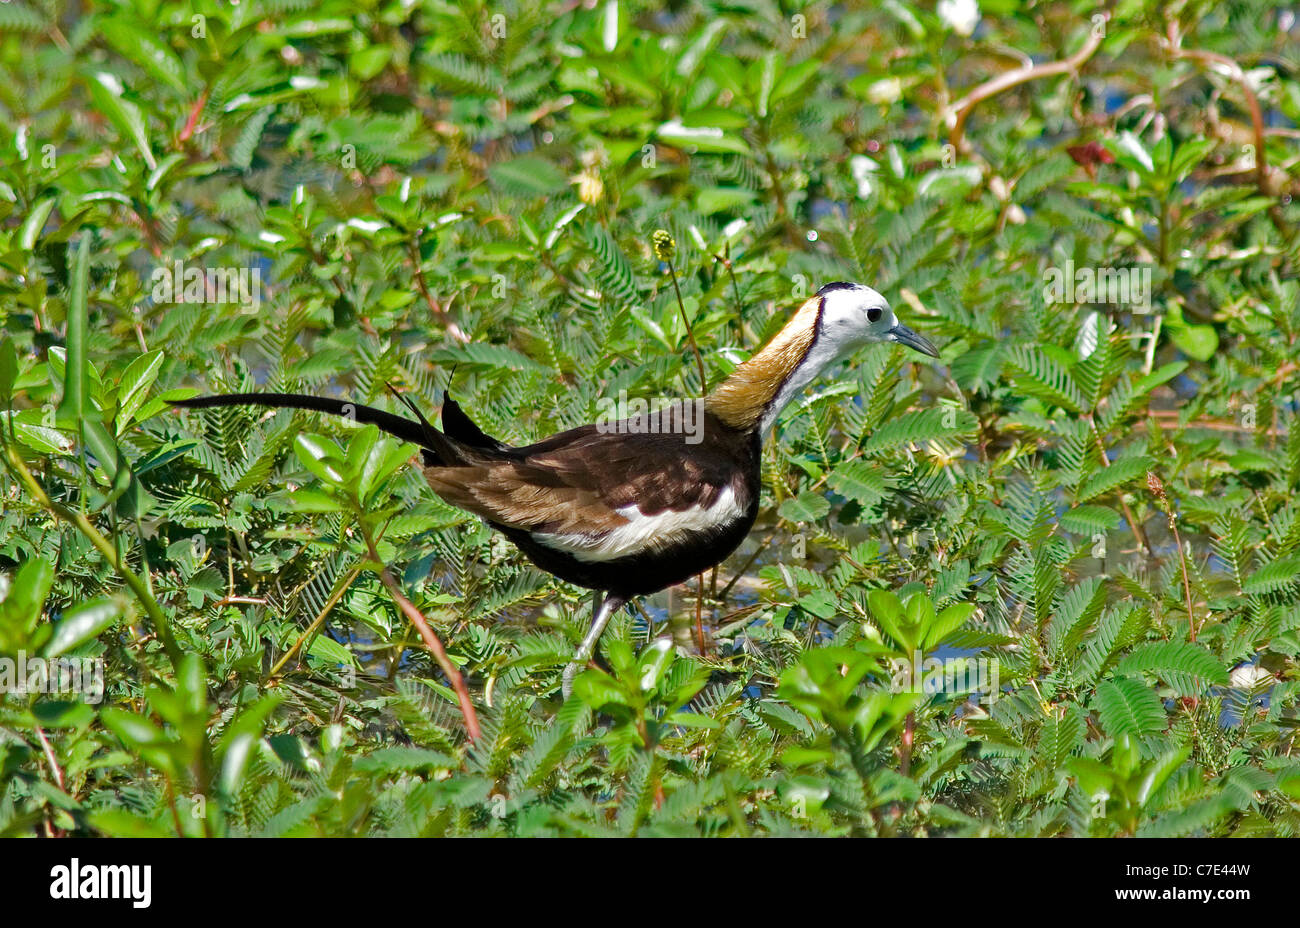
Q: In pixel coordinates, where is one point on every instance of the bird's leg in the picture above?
(603, 606)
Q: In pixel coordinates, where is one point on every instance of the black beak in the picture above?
(905, 336)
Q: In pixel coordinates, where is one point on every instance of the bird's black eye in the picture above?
(873, 314)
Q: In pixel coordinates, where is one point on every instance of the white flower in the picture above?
(886, 90)
(961, 16)
(862, 168)
(1263, 81)
(1248, 676)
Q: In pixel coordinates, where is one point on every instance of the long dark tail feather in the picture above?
(461, 427)
(406, 429)
(438, 449)
(431, 435)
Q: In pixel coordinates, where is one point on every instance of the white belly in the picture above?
(647, 533)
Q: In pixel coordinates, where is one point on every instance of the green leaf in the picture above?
(1160, 772)
(133, 501)
(1061, 736)
(1094, 777)
(1119, 473)
(135, 731)
(806, 507)
(400, 759)
(145, 50)
(109, 97)
(712, 200)
(655, 660)
(692, 720)
(73, 405)
(82, 623)
(120, 823)
(34, 223)
(1248, 459)
(920, 426)
(887, 609)
(134, 388)
(861, 481)
(1087, 520)
(978, 369)
(306, 499)
(598, 690)
(37, 437)
(947, 622)
(1129, 152)
(1197, 341)
(1126, 705)
(527, 175)
(1288, 782)
(1160, 375)
(820, 603)
(499, 357)
(8, 368)
(320, 457)
(21, 608)
(459, 74)
(700, 138)
(165, 454)
(920, 614)
(1273, 576)
(613, 271)
(1189, 668)
(330, 651)
(1044, 377)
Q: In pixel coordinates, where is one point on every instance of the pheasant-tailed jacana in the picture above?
(631, 507)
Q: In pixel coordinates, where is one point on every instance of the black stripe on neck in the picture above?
(816, 334)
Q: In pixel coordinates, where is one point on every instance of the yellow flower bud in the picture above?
(664, 245)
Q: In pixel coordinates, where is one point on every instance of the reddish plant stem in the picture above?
(1138, 532)
(193, 121)
(909, 735)
(1263, 176)
(57, 772)
(962, 108)
(1182, 562)
(699, 610)
(435, 307)
(433, 643)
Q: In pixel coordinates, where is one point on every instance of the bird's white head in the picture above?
(839, 319)
(854, 315)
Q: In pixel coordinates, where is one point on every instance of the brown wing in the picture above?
(576, 482)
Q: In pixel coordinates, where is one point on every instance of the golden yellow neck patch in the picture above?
(741, 399)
